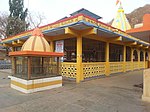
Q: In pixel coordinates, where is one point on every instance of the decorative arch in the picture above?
(141, 56)
(146, 56)
(115, 52)
(135, 55)
(128, 53)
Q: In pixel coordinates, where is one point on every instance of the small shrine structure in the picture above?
(32, 66)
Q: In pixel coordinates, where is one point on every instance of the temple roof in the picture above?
(36, 42)
(120, 21)
(86, 12)
(36, 45)
(78, 22)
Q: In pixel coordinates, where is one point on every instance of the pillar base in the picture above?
(145, 98)
(30, 86)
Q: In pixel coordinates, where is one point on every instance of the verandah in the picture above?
(101, 58)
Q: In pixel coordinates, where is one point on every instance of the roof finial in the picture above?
(118, 1)
(37, 32)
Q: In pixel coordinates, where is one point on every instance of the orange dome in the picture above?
(36, 42)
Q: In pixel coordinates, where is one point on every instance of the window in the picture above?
(21, 67)
(135, 55)
(40, 67)
(128, 54)
(115, 53)
(141, 56)
(69, 50)
(146, 56)
(93, 50)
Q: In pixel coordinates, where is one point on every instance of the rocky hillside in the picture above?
(136, 16)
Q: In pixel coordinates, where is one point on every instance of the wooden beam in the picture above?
(14, 43)
(89, 31)
(20, 41)
(115, 39)
(71, 31)
(7, 45)
(140, 45)
(59, 37)
(131, 43)
(145, 47)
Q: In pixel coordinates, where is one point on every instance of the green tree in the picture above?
(17, 18)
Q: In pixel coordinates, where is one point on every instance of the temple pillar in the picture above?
(51, 46)
(144, 59)
(29, 68)
(138, 51)
(57, 65)
(14, 65)
(13, 59)
(52, 50)
(107, 60)
(132, 58)
(124, 59)
(79, 75)
(148, 59)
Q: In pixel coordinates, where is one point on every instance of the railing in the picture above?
(142, 64)
(146, 64)
(99, 68)
(36, 71)
(93, 69)
(129, 66)
(135, 65)
(5, 64)
(116, 67)
(68, 70)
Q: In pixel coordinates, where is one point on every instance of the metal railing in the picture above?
(36, 71)
(5, 64)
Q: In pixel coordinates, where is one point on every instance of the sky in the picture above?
(56, 9)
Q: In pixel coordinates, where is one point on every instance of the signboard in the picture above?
(59, 47)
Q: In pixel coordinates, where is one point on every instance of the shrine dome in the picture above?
(36, 42)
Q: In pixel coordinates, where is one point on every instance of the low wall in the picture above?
(30, 86)
(146, 85)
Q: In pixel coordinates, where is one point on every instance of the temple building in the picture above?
(91, 48)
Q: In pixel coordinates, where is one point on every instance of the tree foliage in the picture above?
(3, 24)
(35, 19)
(17, 18)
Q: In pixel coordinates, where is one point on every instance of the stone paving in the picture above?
(110, 94)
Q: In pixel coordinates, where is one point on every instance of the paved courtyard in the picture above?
(116, 93)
